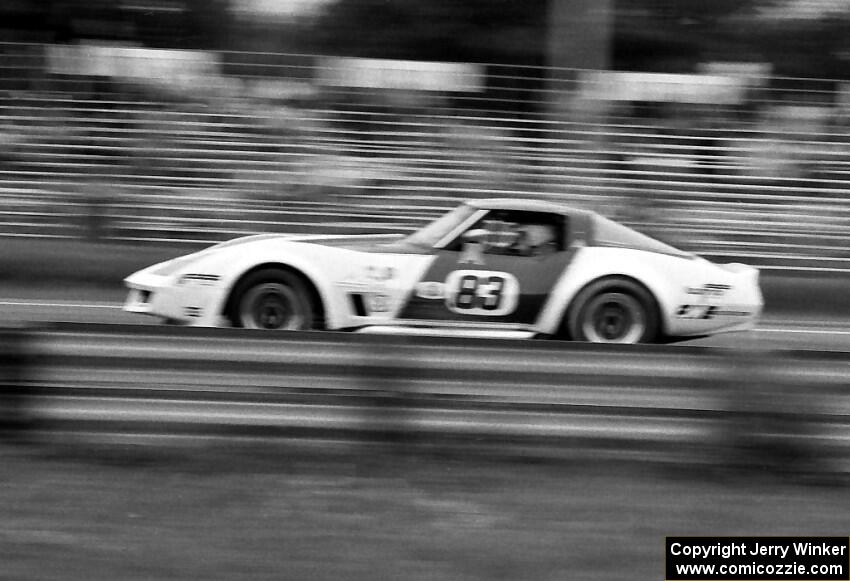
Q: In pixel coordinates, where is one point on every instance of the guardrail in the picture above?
(788, 410)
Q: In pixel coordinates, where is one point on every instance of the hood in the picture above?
(384, 243)
(357, 242)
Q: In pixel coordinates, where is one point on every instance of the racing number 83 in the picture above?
(472, 294)
(481, 292)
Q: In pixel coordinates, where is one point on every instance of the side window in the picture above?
(518, 233)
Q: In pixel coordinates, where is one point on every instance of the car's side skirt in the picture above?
(448, 331)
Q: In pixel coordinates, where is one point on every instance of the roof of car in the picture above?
(525, 204)
(605, 232)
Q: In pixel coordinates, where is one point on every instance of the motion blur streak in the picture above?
(775, 332)
(60, 305)
(715, 163)
(666, 403)
(135, 131)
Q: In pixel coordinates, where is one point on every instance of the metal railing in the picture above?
(787, 409)
(265, 144)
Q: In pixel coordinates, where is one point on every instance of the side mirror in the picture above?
(477, 236)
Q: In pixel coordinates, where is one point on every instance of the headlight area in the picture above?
(138, 300)
(189, 298)
(141, 300)
(199, 279)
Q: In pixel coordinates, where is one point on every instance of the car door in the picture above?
(500, 269)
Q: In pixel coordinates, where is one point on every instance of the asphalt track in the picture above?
(21, 306)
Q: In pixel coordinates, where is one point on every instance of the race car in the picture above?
(498, 267)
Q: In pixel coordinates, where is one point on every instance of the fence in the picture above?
(755, 169)
(787, 411)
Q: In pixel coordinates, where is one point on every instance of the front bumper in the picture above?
(190, 300)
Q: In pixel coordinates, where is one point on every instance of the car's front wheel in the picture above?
(614, 311)
(272, 300)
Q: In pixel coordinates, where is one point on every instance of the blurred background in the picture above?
(722, 127)
(134, 130)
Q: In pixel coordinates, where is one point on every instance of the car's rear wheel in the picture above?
(614, 311)
(273, 300)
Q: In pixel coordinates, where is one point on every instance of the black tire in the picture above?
(274, 300)
(613, 310)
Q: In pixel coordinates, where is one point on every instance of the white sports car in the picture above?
(488, 267)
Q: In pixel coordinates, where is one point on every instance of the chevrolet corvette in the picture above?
(498, 267)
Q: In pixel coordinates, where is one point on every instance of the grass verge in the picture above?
(224, 514)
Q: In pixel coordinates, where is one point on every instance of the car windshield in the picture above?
(441, 227)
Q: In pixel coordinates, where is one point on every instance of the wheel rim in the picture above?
(614, 318)
(272, 306)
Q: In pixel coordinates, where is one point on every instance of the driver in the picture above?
(534, 239)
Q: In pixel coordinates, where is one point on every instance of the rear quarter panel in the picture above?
(669, 278)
